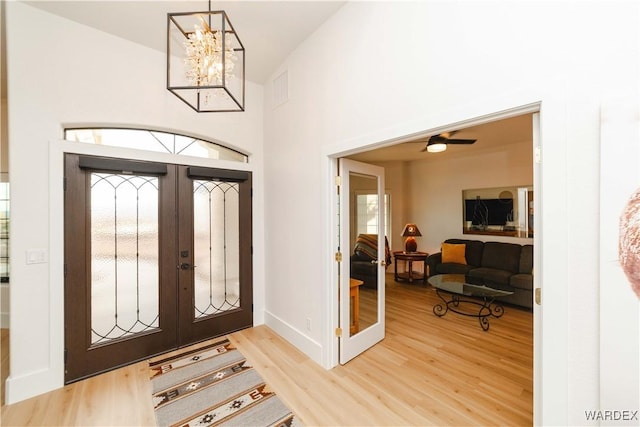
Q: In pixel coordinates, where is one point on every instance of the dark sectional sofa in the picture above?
(506, 266)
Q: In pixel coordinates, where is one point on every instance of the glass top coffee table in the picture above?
(455, 288)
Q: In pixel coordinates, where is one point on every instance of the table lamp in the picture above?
(410, 231)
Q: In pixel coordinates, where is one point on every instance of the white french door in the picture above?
(362, 309)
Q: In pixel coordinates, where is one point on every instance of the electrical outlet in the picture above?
(308, 324)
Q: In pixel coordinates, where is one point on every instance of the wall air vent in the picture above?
(280, 87)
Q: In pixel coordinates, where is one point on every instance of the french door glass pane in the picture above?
(124, 256)
(216, 247)
(366, 214)
(364, 307)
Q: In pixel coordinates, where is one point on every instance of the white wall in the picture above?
(396, 181)
(619, 306)
(381, 70)
(62, 73)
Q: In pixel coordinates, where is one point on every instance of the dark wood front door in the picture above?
(157, 256)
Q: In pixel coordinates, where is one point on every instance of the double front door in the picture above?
(157, 256)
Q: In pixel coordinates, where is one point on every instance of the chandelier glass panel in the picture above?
(205, 61)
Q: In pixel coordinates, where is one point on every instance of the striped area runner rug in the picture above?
(214, 386)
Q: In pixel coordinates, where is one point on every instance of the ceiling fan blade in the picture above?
(460, 141)
(438, 139)
(435, 139)
(444, 138)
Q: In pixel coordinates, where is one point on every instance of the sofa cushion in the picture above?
(365, 271)
(522, 281)
(360, 256)
(452, 268)
(502, 256)
(491, 277)
(452, 252)
(526, 259)
(472, 252)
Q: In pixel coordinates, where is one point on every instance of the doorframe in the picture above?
(556, 357)
(52, 376)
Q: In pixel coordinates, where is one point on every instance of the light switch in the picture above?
(36, 256)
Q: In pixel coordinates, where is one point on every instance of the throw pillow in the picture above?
(454, 252)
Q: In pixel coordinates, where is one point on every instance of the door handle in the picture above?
(186, 266)
(382, 262)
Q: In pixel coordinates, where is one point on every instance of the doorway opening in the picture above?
(408, 185)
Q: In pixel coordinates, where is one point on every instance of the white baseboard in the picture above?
(302, 342)
(30, 385)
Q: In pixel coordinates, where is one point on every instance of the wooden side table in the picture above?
(409, 258)
(354, 296)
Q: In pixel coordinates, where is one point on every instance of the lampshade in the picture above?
(436, 148)
(410, 244)
(205, 61)
(411, 230)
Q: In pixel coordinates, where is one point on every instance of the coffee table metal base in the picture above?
(487, 308)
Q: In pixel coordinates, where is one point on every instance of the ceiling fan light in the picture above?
(438, 147)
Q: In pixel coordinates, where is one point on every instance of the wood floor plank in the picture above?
(427, 371)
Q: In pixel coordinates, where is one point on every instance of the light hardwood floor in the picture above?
(427, 371)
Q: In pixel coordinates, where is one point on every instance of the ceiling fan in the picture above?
(438, 143)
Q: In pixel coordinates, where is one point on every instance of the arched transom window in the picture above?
(152, 140)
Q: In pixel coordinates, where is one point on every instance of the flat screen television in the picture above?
(499, 210)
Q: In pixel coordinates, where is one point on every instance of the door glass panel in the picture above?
(216, 248)
(124, 256)
(365, 212)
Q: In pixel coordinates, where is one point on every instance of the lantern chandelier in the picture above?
(205, 61)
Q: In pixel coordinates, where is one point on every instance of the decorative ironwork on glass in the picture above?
(216, 208)
(124, 256)
(151, 140)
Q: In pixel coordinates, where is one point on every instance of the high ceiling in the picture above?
(489, 136)
(269, 30)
